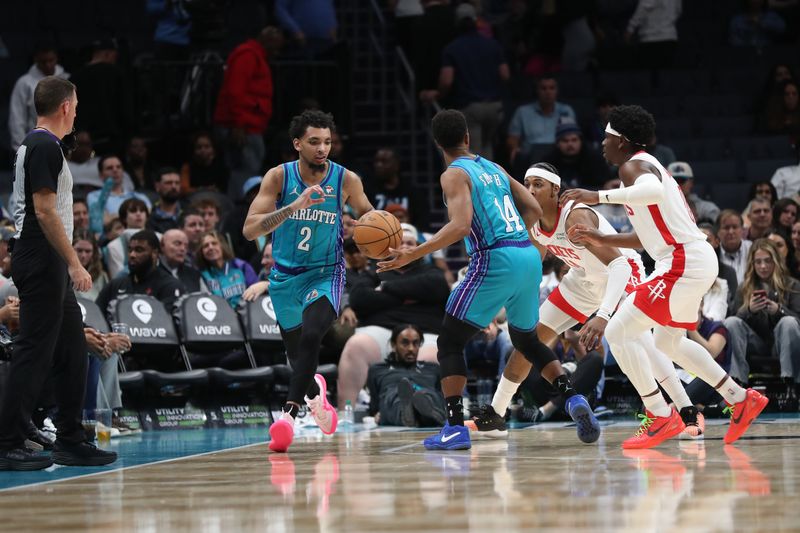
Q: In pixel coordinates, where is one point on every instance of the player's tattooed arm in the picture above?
(270, 221)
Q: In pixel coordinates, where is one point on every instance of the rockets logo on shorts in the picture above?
(657, 290)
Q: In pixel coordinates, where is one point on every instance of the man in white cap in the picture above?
(682, 172)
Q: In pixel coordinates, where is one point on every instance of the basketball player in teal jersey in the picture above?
(491, 212)
(300, 203)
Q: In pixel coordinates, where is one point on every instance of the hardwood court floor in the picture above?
(541, 479)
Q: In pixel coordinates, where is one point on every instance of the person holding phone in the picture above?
(766, 321)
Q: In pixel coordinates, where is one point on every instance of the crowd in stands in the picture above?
(168, 222)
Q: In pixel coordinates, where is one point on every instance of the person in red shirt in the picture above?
(244, 104)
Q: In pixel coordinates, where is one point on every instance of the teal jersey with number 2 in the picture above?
(495, 217)
(312, 237)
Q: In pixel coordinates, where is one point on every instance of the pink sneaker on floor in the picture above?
(323, 412)
(281, 433)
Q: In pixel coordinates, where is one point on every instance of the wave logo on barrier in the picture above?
(142, 310)
(266, 305)
(83, 311)
(207, 308)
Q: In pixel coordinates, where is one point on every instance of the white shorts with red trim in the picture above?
(672, 294)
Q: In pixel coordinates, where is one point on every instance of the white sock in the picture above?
(731, 391)
(657, 405)
(664, 372)
(502, 396)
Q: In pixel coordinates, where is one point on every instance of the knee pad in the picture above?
(667, 342)
(534, 350)
(451, 342)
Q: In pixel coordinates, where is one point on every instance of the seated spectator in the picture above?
(224, 274)
(385, 186)
(133, 213)
(768, 307)
(167, 210)
(144, 277)
(757, 26)
(682, 172)
(262, 285)
(726, 280)
(662, 152)
(536, 123)
(759, 189)
(771, 96)
(192, 224)
(786, 117)
(6, 234)
(142, 170)
(577, 164)
(234, 222)
(174, 247)
(761, 222)
(82, 163)
(80, 214)
(733, 247)
(491, 346)
(786, 252)
(784, 215)
(786, 180)
(348, 224)
(111, 231)
(91, 258)
(210, 211)
(402, 390)
(104, 204)
(711, 335)
(415, 292)
(204, 170)
(584, 372)
(796, 242)
(102, 384)
(594, 132)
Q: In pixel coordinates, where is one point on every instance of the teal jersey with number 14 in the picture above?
(495, 217)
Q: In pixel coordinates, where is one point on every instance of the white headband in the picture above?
(612, 131)
(537, 172)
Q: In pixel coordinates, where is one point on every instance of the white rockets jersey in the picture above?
(579, 259)
(664, 225)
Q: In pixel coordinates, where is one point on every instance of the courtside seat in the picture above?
(131, 381)
(261, 330)
(171, 384)
(237, 380)
(154, 341)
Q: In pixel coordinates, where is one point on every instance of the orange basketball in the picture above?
(376, 232)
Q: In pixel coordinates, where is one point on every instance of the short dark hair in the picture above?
(313, 118)
(80, 200)
(186, 213)
(102, 161)
(634, 122)
(50, 93)
(148, 236)
(725, 213)
(546, 166)
(449, 126)
(202, 203)
(129, 205)
(350, 247)
(163, 171)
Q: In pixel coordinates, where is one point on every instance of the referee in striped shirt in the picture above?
(45, 269)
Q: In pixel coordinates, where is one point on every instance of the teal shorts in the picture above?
(507, 275)
(291, 293)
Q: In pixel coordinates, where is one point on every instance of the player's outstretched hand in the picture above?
(583, 235)
(396, 259)
(311, 196)
(581, 196)
(591, 332)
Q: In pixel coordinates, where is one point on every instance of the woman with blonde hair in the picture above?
(91, 258)
(766, 320)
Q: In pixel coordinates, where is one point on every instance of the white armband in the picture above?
(647, 190)
(619, 272)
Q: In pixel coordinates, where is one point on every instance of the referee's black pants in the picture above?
(50, 339)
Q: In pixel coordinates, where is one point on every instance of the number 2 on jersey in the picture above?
(508, 213)
(305, 232)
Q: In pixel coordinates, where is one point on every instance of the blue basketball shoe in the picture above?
(581, 412)
(450, 438)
